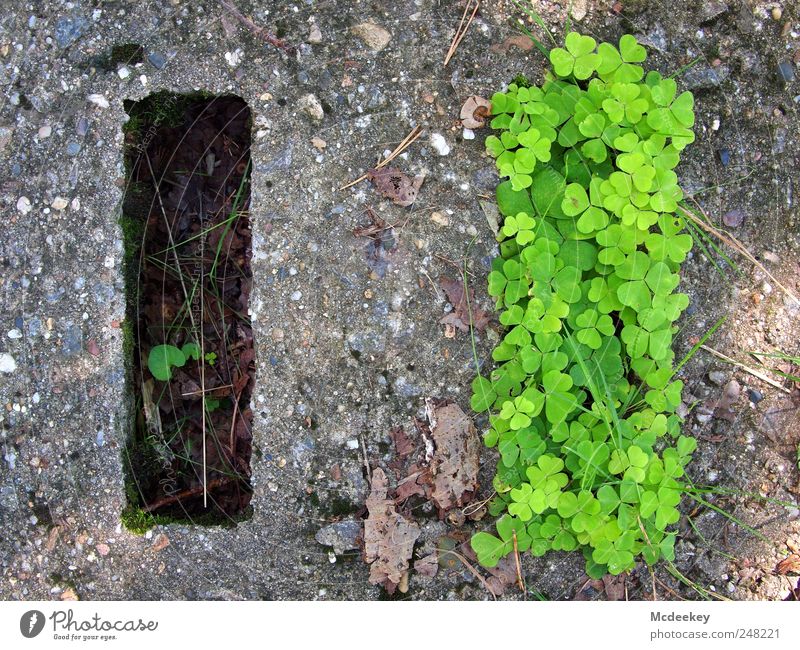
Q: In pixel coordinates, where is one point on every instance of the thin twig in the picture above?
(734, 243)
(473, 571)
(415, 133)
(462, 30)
(520, 581)
(211, 389)
(747, 369)
(259, 32)
(185, 494)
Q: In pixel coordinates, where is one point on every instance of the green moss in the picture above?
(127, 53)
(522, 81)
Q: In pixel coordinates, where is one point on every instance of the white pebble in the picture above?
(352, 443)
(234, 58)
(440, 144)
(24, 204)
(98, 100)
(124, 72)
(7, 363)
(45, 131)
(469, 134)
(296, 295)
(59, 203)
(14, 334)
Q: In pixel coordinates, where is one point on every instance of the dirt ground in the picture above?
(347, 337)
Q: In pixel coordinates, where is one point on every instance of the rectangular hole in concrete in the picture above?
(187, 236)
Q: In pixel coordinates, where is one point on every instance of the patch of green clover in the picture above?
(582, 400)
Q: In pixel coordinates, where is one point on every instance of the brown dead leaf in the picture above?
(160, 542)
(519, 40)
(788, 565)
(415, 483)
(69, 594)
(403, 445)
(428, 566)
(455, 463)
(501, 576)
(394, 184)
(388, 537)
(460, 316)
(723, 407)
(475, 111)
(614, 586)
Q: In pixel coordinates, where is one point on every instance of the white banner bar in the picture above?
(406, 625)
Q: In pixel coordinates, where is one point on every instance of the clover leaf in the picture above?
(577, 59)
(162, 358)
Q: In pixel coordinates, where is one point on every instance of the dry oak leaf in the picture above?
(455, 462)
(475, 111)
(388, 537)
(394, 184)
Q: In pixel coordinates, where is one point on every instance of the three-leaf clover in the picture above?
(577, 59)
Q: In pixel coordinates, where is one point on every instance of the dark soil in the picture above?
(189, 282)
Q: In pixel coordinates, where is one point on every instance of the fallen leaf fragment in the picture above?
(520, 41)
(723, 407)
(69, 594)
(614, 586)
(396, 185)
(455, 463)
(403, 444)
(428, 566)
(789, 564)
(388, 537)
(475, 111)
(160, 542)
(460, 316)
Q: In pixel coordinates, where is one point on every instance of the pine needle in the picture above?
(462, 29)
(747, 369)
(735, 244)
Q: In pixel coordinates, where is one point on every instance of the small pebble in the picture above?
(717, 377)
(24, 204)
(45, 131)
(7, 363)
(315, 34)
(73, 148)
(98, 100)
(157, 60)
(82, 127)
(59, 203)
(441, 219)
(755, 396)
(352, 443)
(439, 144)
(296, 295)
(124, 72)
(733, 218)
(777, 13)
(786, 71)
(724, 156)
(468, 134)
(14, 334)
